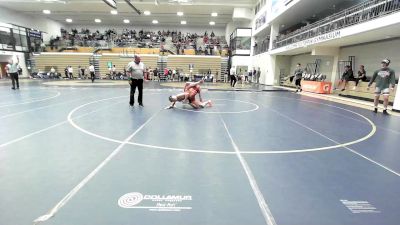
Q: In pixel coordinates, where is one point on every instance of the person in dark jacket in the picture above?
(346, 77)
(362, 75)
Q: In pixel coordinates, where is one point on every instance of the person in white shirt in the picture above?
(233, 76)
(92, 71)
(52, 72)
(173, 74)
(12, 70)
(71, 72)
(113, 72)
(136, 71)
(110, 71)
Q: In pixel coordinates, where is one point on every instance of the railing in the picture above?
(360, 13)
(261, 47)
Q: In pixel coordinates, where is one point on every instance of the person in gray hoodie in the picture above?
(385, 81)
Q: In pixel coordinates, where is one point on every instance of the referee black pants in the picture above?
(139, 84)
(92, 76)
(14, 79)
(233, 80)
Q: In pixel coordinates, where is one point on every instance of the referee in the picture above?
(136, 70)
(12, 70)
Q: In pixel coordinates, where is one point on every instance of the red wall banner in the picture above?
(316, 86)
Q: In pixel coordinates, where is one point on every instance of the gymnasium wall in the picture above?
(271, 67)
(258, 62)
(200, 63)
(61, 61)
(51, 27)
(231, 26)
(5, 56)
(371, 54)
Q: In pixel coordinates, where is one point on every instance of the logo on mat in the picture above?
(130, 199)
(136, 200)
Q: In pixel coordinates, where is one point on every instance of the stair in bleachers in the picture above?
(162, 62)
(95, 61)
(224, 69)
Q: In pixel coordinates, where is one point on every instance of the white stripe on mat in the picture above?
(81, 184)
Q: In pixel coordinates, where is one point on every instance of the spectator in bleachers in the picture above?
(170, 74)
(52, 72)
(155, 74)
(70, 72)
(173, 74)
(346, 77)
(83, 69)
(114, 72)
(362, 75)
(145, 39)
(66, 72)
(79, 72)
(165, 73)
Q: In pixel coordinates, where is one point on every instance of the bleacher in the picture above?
(61, 61)
(142, 43)
(361, 91)
(121, 62)
(199, 63)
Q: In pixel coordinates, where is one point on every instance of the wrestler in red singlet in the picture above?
(190, 92)
(193, 91)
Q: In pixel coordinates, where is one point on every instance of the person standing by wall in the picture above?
(136, 70)
(83, 70)
(71, 72)
(298, 73)
(384, 77)
(12, 70)
(114, 72)
(66, 72)
(79, 72)
(258, 75)
(155, 74)
(92, 72)
(232, 74)
(254, 75)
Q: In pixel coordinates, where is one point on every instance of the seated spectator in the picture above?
(362, 75)
(346, 77)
